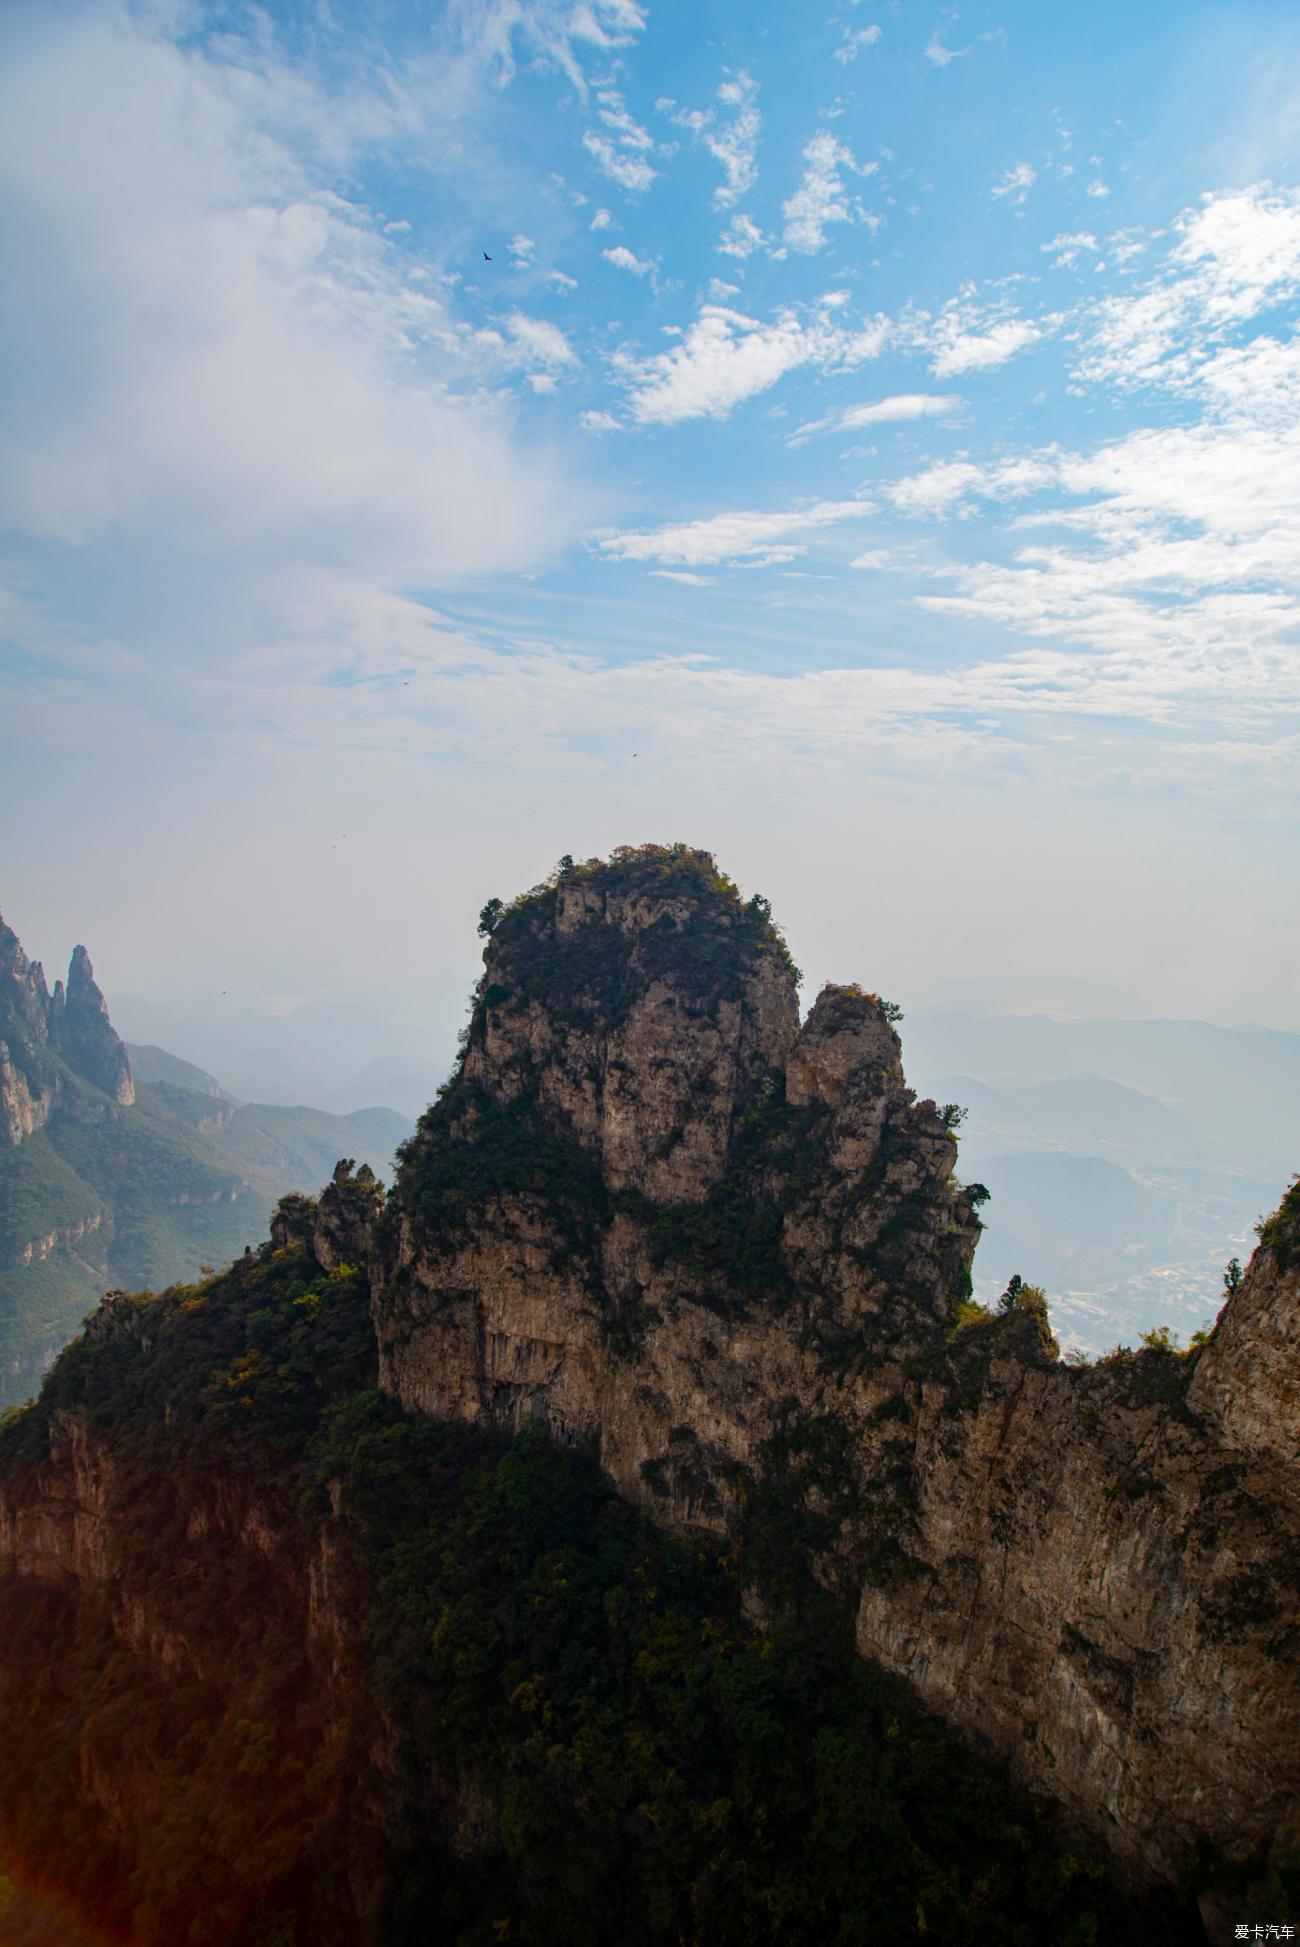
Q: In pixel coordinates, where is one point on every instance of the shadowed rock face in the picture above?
(728, 1254)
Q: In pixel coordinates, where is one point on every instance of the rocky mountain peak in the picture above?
(24, 1002)
(36, 1025)
(638, 1003)
(84, 1035)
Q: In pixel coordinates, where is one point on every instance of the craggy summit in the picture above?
(728, 1254)
(725, 1256)
(643, 1164)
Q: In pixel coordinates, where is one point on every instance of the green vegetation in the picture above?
(597, 971)
(1280, 1233)
(142, 1196)
(483, 1149)
(584, 1739)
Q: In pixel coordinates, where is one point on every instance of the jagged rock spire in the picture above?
(84, 1035)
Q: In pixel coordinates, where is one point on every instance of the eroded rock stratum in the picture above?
(729, 1254)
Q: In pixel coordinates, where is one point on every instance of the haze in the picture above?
(869, 453)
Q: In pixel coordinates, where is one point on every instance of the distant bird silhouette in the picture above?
(486, 258)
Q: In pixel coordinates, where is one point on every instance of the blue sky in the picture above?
(870, 451)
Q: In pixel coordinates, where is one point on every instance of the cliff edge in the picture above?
(728, 1254)
(724, 1256)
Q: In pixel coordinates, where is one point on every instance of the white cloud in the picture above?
(599, 422)
(1098, 189)
(1175, 549)
(741, 238)
(959, 351)
(970, 335)
(730, 133)
(899, 407)
(542, 381)
(601, 220)
(537, 341)
(852, 42)
(726, 357)
(820, 198)
(1238, 254)
(1017, 181)
(621, 148)
(632, 173)
(554, 33)
(560, 281)
(939, 488)
(683, 575)
(624, 259)
(1066, 249)
(939, 53)
(245, 365)
(742, 538)
(522, 248)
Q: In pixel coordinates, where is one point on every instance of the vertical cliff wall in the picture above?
(728, 1255)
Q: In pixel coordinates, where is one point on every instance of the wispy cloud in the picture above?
(852, 42)
(1016, 181)
(820, 199)
(247, 364)
(897, 409)
(620, 147)
(753, 539)
(1175, 549)
(730, 132)
(727, 357)
(552, 33)
(971, 334)
(1067, 249)
(741, 238)
(1237, 255)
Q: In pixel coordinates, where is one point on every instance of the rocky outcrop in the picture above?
(728, 1255)
(83, 1034)
(48, 1042)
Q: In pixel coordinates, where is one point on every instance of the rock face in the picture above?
(83, 1034)
(224, 1688)
(43, 1036)
(728, 1255)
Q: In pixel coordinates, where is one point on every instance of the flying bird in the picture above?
(486, 258)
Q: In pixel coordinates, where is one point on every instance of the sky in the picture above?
(859, 440)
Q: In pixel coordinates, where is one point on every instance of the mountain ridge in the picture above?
(655, 1221)
(111, 1173)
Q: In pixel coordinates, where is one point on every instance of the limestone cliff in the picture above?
(52, 1043)
(728, 1255)
(83, 1034)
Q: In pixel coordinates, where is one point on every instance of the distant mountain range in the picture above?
(1126, 1189)
(129, 1166)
